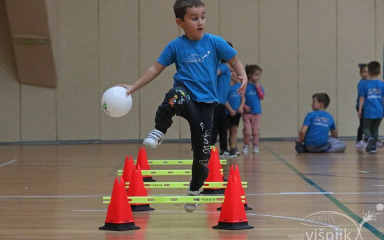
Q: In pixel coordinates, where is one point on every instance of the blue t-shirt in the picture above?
(223, 83)
(361, 82)
(373, 92)
(319, 124)
(252, 98)
(196, 63)
(234, 99)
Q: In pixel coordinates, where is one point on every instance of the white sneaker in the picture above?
(191, 207)
(256, 149)
(154, 138)
(245, 149)
(379, 144)
(361, 144)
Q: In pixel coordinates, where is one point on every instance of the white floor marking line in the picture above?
(8, 163)
(305, 193)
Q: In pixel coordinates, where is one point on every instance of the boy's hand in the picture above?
(232, 112)
(129, 88)
(241, 110)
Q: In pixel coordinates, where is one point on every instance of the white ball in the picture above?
(115, 101)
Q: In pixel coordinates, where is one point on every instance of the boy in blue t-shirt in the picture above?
(196, 56)
(313, 135)
(371, 94)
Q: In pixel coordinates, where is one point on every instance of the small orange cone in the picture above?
(129, 167)
(142, 161)
(232, 215)
(214, 174)
(119, 215)
(218, 160)
(237, 172)
(137, 189)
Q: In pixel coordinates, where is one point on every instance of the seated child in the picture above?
(313, 135)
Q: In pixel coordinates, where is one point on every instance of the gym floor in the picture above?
(55, 192)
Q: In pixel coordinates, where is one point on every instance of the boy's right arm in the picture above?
(147, 77)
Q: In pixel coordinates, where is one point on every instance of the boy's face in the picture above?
(193, 23)
(316, 105)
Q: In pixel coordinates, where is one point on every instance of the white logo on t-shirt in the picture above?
(194, 58)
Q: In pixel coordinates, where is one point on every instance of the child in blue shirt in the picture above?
(371, 95)
(313, 135)
(235, 107)
(360, 142)
(252, 108)
(219, 117)
(196, 56)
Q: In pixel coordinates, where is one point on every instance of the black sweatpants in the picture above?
(178, 101)
(220, 127)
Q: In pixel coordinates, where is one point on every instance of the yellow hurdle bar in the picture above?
(185, 184)
(175, 162)
(173, 199)
(179, 172)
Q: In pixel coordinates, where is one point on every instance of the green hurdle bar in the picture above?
(185, 184)
(180, 172)
(173, 199)
(175, 162)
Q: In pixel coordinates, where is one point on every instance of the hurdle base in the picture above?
(245, 207)
(148, 179)
(141, 208)
(213, 191)
(232, 226)
(119, 226)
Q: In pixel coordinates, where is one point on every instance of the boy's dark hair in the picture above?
(180, 7)
(322, 98)
(250, 69)
(374, 68)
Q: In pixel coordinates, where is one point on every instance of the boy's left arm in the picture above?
(240, 72)
(241, 108)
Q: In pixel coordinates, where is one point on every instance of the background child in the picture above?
(360, 142)
(219, 117)
(193, 96)
(235, 104)
(371, 95)
(313, 135)
(252, 108)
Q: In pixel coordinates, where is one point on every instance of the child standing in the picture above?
(360, 143)
(252, 108)
(193, 96)
(219, 118)
(313, 135)
(235, 105)
(371, 95)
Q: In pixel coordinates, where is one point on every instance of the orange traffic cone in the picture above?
(232, 215)
(216, 152)
(119, 215)
(129, 167)
(137, 189)
(142, 161)
(214, 174)
(237, 172)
